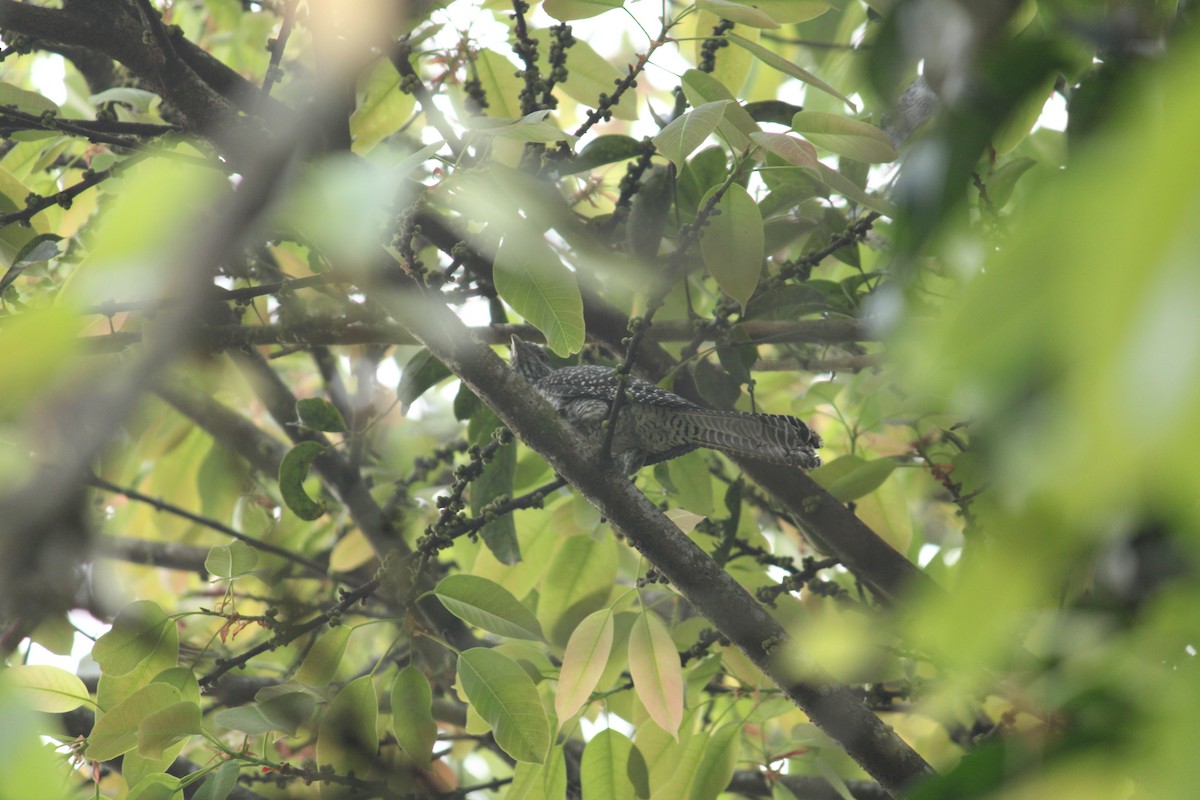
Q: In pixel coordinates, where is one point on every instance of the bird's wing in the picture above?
(591, 381)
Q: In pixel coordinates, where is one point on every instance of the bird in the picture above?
(656, 425)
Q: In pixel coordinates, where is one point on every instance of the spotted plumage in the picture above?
(654, 424)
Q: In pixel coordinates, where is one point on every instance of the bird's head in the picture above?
(529, 360)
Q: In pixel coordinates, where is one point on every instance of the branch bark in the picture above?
(828, 524)
(871, 743)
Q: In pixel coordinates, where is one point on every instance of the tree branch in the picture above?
(871, 743)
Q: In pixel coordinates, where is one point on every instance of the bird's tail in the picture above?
(774, 438)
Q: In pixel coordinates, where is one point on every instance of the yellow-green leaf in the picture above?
(116, 732)
(565, 10)
(136, 633)
(583, 662)
(790, 11)
(533, 280)
(613, 768)
(347, 738)
(789, 148)
(850, 477)
(682, 135)
(324, 657)
(504, 696)
(488, 605)
(743, 13)
(713, 773)
(412, 715)
(24, 100)
(775, 61)
(732, 244)
(737, 124)
(231, 560)
(656, 672)
(167, 726)
(383, 109)
(578, 582)
(844, 136)
(45, 688)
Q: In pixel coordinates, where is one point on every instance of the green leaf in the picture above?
(583, 662)
(219, 784)
(842, 185)
(1023, 117)
(293, 470)
(45, 688)
(844, 136)
(42, 247)
(673, 772)
(422, 372)
(532, 127)
(578, 582)
(35, 347)
(606, 149)
(1000, 184)
(693, 482)
(324, 657)
(247, 719)
(781, 64)
(732, 244)
(772, 111)
(656, 672)
(613, 768)
(737, 125)
(531, 278)
(318, 414)
(412, 715)
(503, 694)
(789, 148)
(566, 10)
(851, 477)
(24, 100)
(347, 738)
(116, 731)
(487, 605)
(715, 770)
(166, 727)
(383, 109)
(792, 11)
(738, 12)
(231, 560)
(136, 633)
(282, 712)
(650, 212)
(495, 483)
(680, 138)
(556, 773)
(589, 75)
(155, 786)
(500, 84)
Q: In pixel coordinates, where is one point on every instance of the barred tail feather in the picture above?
(774, 438)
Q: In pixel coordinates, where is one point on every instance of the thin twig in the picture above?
(170, 508)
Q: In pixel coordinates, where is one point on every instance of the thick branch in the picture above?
(231, 429)
(228, 337)
(165, 555)
(124, 37)
(829, 524)
(870, 742)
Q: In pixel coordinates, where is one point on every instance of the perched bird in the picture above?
(655, 425)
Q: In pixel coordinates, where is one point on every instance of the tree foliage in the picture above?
(256, 418)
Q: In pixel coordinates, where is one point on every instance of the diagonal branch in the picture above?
(871, 743)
